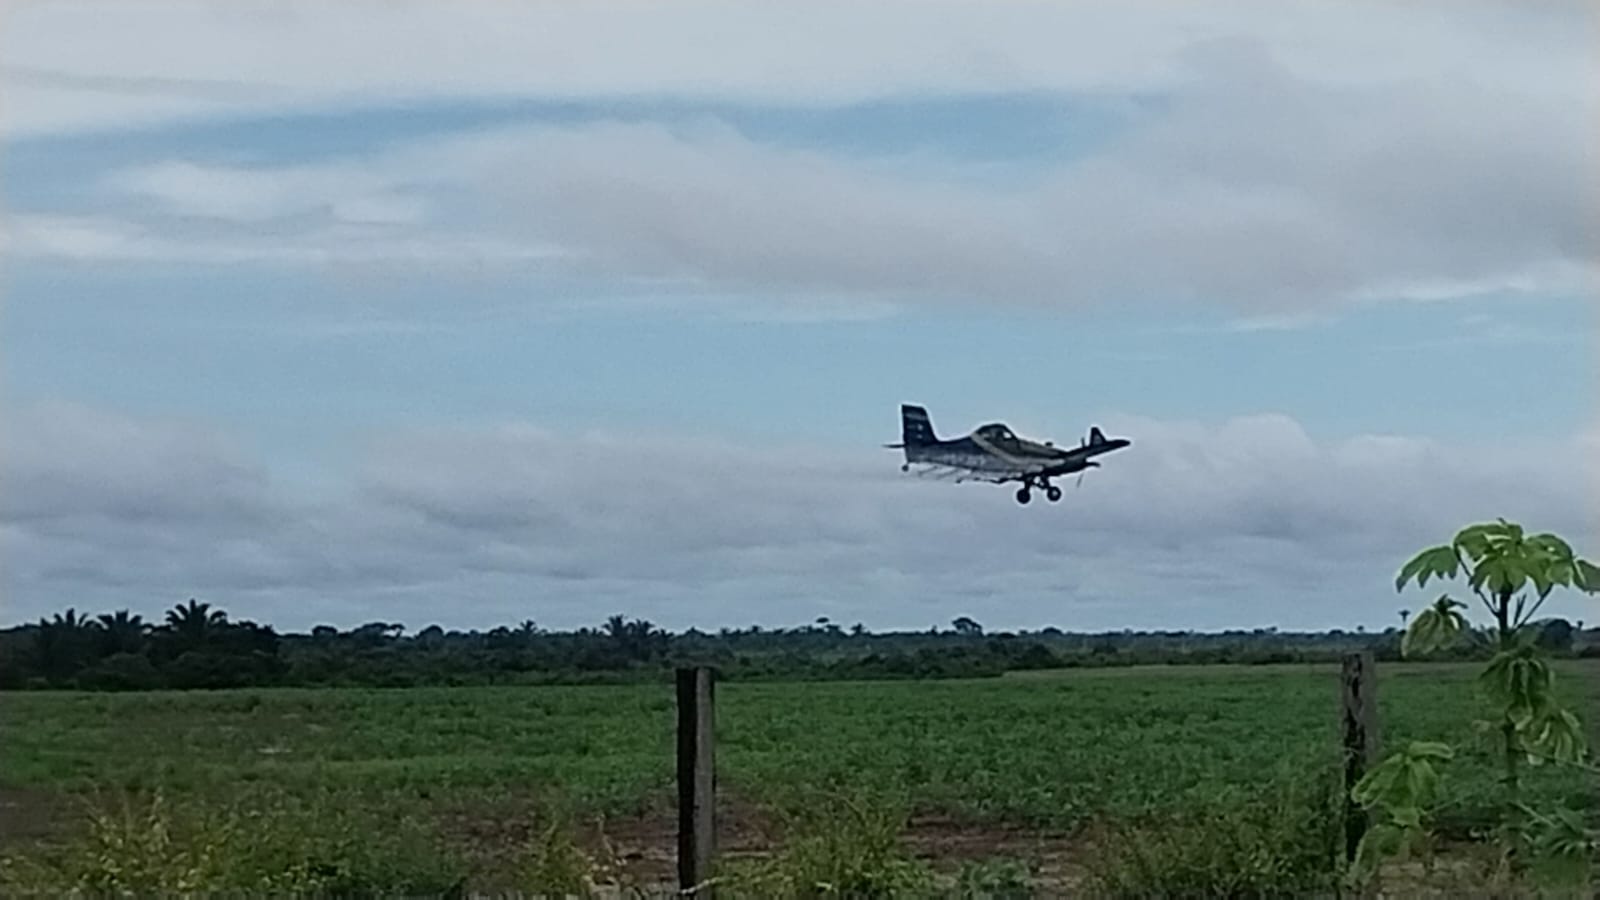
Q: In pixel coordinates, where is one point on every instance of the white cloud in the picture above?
(243, 195)
(92, 65)
(103, 239)
(1281, 198)
(1304, 154)
(1246, 522)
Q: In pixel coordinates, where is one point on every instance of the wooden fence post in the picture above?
(1358, 709)
(697, 826)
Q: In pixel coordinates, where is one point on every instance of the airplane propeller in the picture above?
(1084, 471)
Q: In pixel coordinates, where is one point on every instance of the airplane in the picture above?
(993, 453)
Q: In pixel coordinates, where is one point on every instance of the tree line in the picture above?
(197, 645)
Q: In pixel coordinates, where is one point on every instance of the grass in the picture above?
(1053, 750)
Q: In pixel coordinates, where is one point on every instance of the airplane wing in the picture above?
(958, 474)
(1010, 465)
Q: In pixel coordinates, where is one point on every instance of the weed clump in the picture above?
(553, 864)
(835, 844)
(143, 845)
(1289, 843)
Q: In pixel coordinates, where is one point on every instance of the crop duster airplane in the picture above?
(992, 453)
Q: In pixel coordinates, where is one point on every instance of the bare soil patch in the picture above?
(31, 815)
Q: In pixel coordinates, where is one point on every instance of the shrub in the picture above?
(1288, 843)
(553, 865)
(993, 878)
(836, 844)
(267, 843)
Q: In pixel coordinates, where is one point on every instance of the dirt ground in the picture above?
(28, 815)
(647, 846)
(643, 847)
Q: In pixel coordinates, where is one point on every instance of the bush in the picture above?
(552, 863)
(836, 844)
(993, 878)
(261, 844)
(123, 672)
(1288, 843)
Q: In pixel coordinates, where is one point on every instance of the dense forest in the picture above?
(199, 646)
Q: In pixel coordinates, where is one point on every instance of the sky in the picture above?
(469, 313)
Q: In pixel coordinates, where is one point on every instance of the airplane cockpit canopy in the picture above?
(997, 432)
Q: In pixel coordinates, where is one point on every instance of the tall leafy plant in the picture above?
(1512, 574)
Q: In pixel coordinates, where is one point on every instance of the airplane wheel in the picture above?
(1053, 492)
(1023, 496)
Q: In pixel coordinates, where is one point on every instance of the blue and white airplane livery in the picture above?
(993, 453)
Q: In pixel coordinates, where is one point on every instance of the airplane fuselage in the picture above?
(993, 453)
(971, 453)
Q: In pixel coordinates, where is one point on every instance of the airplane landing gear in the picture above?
(1025, 493)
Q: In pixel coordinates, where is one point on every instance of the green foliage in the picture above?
(1061, 750)
(1520, 681)
(1501, 563)
(552, 863)
(1435, 628)
(1403, 790)
(1562, 844)
(1504, 560)
(835, 844)
(993, 879)
(265, 843)
(1286, 842)
(199, 646)
(1435, 562)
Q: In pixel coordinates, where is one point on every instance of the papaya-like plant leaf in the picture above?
(1431, 750)
(1402, 788)
(1543, 578)
(1474, 539)
(1403, 780)
(1436, 562)
(1587, 576)
(1556, 735)
(1438, 626)
(1563, 844)
(1519, 680)
(1557, 549)
(1382, 841)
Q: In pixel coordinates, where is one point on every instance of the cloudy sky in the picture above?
(474, 312)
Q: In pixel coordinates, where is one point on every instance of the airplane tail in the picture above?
(1099, 443)
(916, 429)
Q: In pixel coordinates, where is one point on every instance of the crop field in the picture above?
(1022, 767)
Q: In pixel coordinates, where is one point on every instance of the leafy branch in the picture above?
(1501, 563)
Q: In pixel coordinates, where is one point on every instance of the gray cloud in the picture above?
(1247, 522)
(105, 65)
(1254, 187)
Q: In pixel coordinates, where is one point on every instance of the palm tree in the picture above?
(122, 632)
(195, 624)
(614, 625)
(1405, 614)
(69, 620)
(65, 643)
